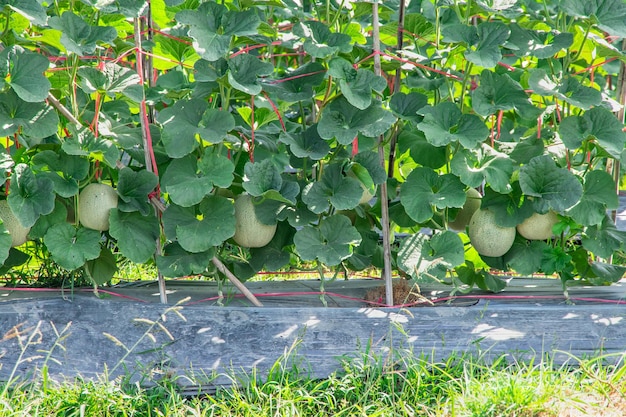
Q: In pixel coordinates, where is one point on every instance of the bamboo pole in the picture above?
(384, 197)
(232, 278)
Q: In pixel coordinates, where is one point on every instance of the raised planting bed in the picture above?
(127, 331)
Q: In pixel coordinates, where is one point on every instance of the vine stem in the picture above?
(384, 199)
(396, 88)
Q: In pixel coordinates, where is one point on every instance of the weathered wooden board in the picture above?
(227, 340)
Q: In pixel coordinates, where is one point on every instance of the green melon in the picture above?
(19, 233)
(249, 231)
(538, 226)
(95, 202)
(487, 237)
(463, 217)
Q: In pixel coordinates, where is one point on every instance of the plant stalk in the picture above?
(384, 199)
(396, 89)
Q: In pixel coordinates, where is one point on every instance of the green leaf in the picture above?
(603, 240)
(35, 120)
(6, 165)
(569, 90)
(200, 228)
(180, 126)
(84, 143)
(30, 9)
(330, 243)
(307, 144)
(597, 123)
(71, 247)
(500, 92)
(320, 42)
(555, 260)
(342, 121)
(487, 51)
(598, 196)
(335, 189)
(110, 79)
(245, 71)
(261, 177)
(445, 124)
(550, 186)
(30, 195)
(177, 262)
(103, 268)
(64, 170)
(273, 256)
(299, 84)
(184, 183)
(78, 37)
(424, 190)
(371, 162)
(43, 223)
(407, 106)
(537, 43)
(5, 244)
(606, 274)
(356, 85)
(609, 15)
(422, 257)
(510, 209)
(525, 256)
(482, 279)
(422, 151)
(219, 169)
(485, 165)
(133, 188)
(136, 234)
(25, 73)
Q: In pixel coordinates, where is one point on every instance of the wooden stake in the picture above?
(232, 278)
(384, 196)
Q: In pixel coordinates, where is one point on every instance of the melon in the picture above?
(19, 233)
(538, 226)
(366, 195)
(249, 231)
(487, 237)
(463, 217)
(95, 202)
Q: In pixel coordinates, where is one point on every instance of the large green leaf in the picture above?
(307, 144)
(261, 177)
(273, 256)
(485, 165)
(64, 170)
(184, 183)
(333, 189)
(406, 106)
(320, 42)
(103, 268)
(133, 188)
(525, 256)
(537, 43)
(424, 190)
(510, 209)
(245, 71)
(30, 9)
(357, 85)
(598, 196)
(500, 92)
(43, 223)
(136, 234)
(83, 142)
(109, 79)
(331, 242)
(444, 124)
(550, 186)
(343, 122)
(597, 123)
(200, 228)
(5, 243)
(30, 195)
(487, 51)
(569, 90)
(6, 166)
(422, 151)
(36, 120)
(177, 262)
(24, 72)
(180, 126)
(604, 239)
(609, 15)
(426, 258)
(605, 274)
(299, 84)
(79, 37)
(71, 247)
(219, 169)
(212, 27)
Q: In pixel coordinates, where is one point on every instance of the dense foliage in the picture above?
(184, 105)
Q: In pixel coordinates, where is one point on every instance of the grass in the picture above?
(398, 384)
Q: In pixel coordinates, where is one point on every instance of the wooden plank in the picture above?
(228, 340)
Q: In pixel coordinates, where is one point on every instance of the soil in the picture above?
(404, 294)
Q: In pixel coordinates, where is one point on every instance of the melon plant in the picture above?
(463, 217)
(95, 203)
(19, 233)
(538, 226)
(249, 231)
(487, 237)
